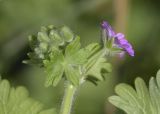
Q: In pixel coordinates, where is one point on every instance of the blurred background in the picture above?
(138, 19)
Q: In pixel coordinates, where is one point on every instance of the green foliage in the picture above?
(54, 68)
(96, 69)
(75, 55)
(97, 63)
(141, 100)
(17, 101)
(48, 49)
(59, 52)
(47, 40)
(68, 63)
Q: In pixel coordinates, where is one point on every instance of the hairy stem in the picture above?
(68, 99)
(71, 89)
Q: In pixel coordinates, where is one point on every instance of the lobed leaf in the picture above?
(67, 64)
(54, 68)
(97, 67)
(140, 100)
(17, 101)
(73, 54)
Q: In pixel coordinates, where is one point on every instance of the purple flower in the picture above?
(119, 38)
(108, 29)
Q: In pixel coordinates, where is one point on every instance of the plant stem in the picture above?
(68, 99)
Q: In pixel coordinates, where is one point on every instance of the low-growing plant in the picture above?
(58, 51)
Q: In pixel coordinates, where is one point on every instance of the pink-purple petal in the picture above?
(121, 42)
(109, 31)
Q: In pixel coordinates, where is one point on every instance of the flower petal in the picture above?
(121, 42)
(109, 31)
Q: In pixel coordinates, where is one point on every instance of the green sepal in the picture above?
(109, 43)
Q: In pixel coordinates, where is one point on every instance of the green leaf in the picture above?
(127, 92)
(92, 49)
(73, 47)
(54, 68)
(96, 69)
(122, 104)
(48, 111)
(72, 75)
(74, 55)
(67, 64)
(140, 100)
(97, 63)
(17, 101)
(158, 78)
(143, 94)
(155, 93)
